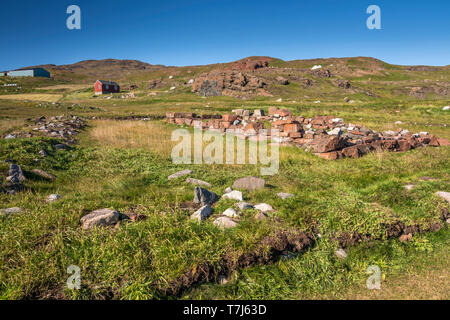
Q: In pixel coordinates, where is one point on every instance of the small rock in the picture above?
(222, 280)
(198, 182)
(446, 108)
(249, 183)
(43, 153)
(444, 195)
(10, 136)
(179, 174)
(410, 186)
(61, 146)
(53, 197)
(341, 254)
(264, 207)
(15, 174)
(100, 218)
(9, 211)
(224, 223)
(230, 212)
(202, 214)
(398, 122)
(335, 132)
(283, 195)
(260, 216)
(228, 190)
(405, 237)
(244, 205)
(43, 174)
(204, 196)
(234, 195)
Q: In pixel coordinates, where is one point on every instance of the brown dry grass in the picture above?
(33, 97)
(8, 124)
(151, 136)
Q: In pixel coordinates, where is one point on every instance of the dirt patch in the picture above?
(268, 250)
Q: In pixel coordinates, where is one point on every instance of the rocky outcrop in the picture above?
(227, 83)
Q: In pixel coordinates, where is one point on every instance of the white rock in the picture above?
(444, 195)
(202, 214)
(172, 88)
(179, 174)
(264, 207)
(398, 122)
(341, 254)
(234, 195)
(410, 187)
(317, 66)
(228, 190)
(9, 211)
(230, 212)
(279, 100)
(170, 77)
(53, 197)
(446, 108)
(284, 195)
(317, 101)
(10, 136)
(224, 223)
(191, 81)
(337, 120)
(244, 205)
(198, 182)
(335, 132)
(98, 218)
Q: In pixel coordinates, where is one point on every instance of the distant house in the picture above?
(102, 87)
(33, 72)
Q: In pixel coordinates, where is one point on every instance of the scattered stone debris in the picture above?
(234, 195)
(225, 223)
(179, 174)
(202, 214)
(15, 179)
(327, 136)
(341, 254)
(204, 196)
(284, 196)
(198, 182)
(249, 183)
(43, 174)
(53, 197)
(65, 127)
(100, 218)
(10, 211)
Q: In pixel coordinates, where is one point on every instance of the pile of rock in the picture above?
(56, 127)
(227, 83)
(14, 179)
(327, 136)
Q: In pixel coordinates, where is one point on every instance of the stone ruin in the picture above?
(65, 127)
(326, 136)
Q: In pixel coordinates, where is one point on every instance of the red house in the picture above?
(101, 87)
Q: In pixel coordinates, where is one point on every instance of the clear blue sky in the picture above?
(193, 32)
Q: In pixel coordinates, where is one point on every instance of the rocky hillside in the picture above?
(359, 78)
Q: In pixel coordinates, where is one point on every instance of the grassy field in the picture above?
(124, 165)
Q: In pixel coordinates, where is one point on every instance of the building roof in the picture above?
(111, 83)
